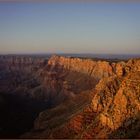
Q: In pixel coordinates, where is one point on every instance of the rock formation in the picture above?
(83, 98)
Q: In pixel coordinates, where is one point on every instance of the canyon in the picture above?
(69, 97)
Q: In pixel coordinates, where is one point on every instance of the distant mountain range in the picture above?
(82, 55)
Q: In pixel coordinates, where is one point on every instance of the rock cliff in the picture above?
(74, 97)
(112, 112)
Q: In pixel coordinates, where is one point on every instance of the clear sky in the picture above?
(70, 28)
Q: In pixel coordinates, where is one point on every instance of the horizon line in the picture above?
(69, 53)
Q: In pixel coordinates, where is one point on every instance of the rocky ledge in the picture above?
(102, 99)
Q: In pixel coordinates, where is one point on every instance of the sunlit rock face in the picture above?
(113, 111)
(59, 77)
(89, 67)
(65, 77)
(71, 97)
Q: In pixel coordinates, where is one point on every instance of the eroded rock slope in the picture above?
(76, 98)
(112, 112)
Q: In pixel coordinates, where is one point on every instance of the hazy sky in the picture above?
(70, 27)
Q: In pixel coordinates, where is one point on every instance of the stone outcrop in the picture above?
(89, 67)
(84, 98)
(113, 111)
(64, 77)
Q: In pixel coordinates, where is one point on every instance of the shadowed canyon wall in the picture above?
(70, 97)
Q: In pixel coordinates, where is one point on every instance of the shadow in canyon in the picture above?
(18, 114)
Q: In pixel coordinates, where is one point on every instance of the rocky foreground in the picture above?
(65, 97)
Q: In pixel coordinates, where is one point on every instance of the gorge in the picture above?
(69, 97)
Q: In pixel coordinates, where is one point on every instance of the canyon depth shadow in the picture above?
(18, 114)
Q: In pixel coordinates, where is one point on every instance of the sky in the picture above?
(45, 27)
